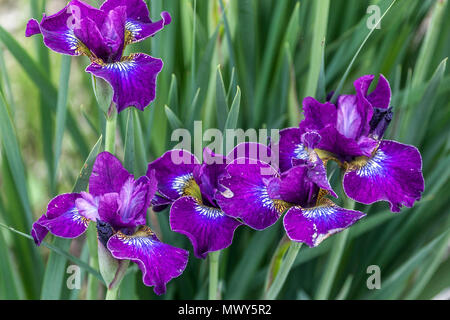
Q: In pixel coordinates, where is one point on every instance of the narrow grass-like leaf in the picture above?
(12, 153)
(429, 44)
(41, 80)
(61, 110)
(221, 100)
(347, 71)
(317, 46)
(174, 122)
(424, 109)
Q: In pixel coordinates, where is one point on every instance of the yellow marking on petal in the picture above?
(192, 189)
(281, 206)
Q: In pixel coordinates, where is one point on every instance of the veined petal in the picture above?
(174, 171)
(208, 228)
(317, 115)
(62, 219)
(313, 225)
(160, 203)
(207, 175)
(138, 24)
(246, 195)
(58, 29)
(108, 175)
(393, 174)
(345, 148)
(381, 95)
(87, 205)
(133, 79)
(291, 147)
(159, 262)
(249, 153)
(135, 199)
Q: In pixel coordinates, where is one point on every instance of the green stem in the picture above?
(285, 267)
(112, 294)
(110, 135)
(213, 274)
(326, 282)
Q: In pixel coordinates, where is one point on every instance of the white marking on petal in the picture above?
(300, 152)
(209, 212)
(373, 166)
(180, 182)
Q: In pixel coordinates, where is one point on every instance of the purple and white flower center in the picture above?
(209, 212)
(181, 182)
(300, 152)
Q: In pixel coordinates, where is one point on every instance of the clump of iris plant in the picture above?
(102, 35)
(190, 188)
(118, 204)
(259, 194)
(351, 134)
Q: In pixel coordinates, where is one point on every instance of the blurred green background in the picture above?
(259, 58)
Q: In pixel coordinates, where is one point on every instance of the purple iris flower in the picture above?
(190, 188)
(102, 35)
(259, 194)
(351, 133)
(118, 204)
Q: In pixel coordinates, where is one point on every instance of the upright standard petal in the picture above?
(158, 262)
(208, 228)
(58, 29)
(138, 24)
(108, 175)
(381, 95)
(313, 225)
(174, 171)
(317, 115)
(393, 173)
(133, 79)
(135, 199)
(246, 195)
(63, 219)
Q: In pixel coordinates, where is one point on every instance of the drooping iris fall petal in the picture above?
(208, 228)
(159, 262)
(393, 174)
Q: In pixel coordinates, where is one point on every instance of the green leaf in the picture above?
(174, 122)
(317, 46)
(233, 115)
(221, 100)
(41, 80)
(61, 110)
(424, 110)
(129, 148)
(12, 153)
(103, 93)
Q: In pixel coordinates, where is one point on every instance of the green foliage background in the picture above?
(259, 59)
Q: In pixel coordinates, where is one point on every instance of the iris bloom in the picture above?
(102, 35)
(352, 134)
(190, 188)
(118, 204)
(259, 194)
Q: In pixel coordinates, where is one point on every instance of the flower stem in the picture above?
(213, 274)
(283, 272)
(337, 250)
(110, 135)
(112, 294)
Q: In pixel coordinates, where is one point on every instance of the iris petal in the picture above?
(313, 225)
(159, 262)
(247, 197)
(208, 228)
(393, 174)
(133, 79)
(108, 175)
(62, 219)
(174, 172)
(58, 29)
(138, 25)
